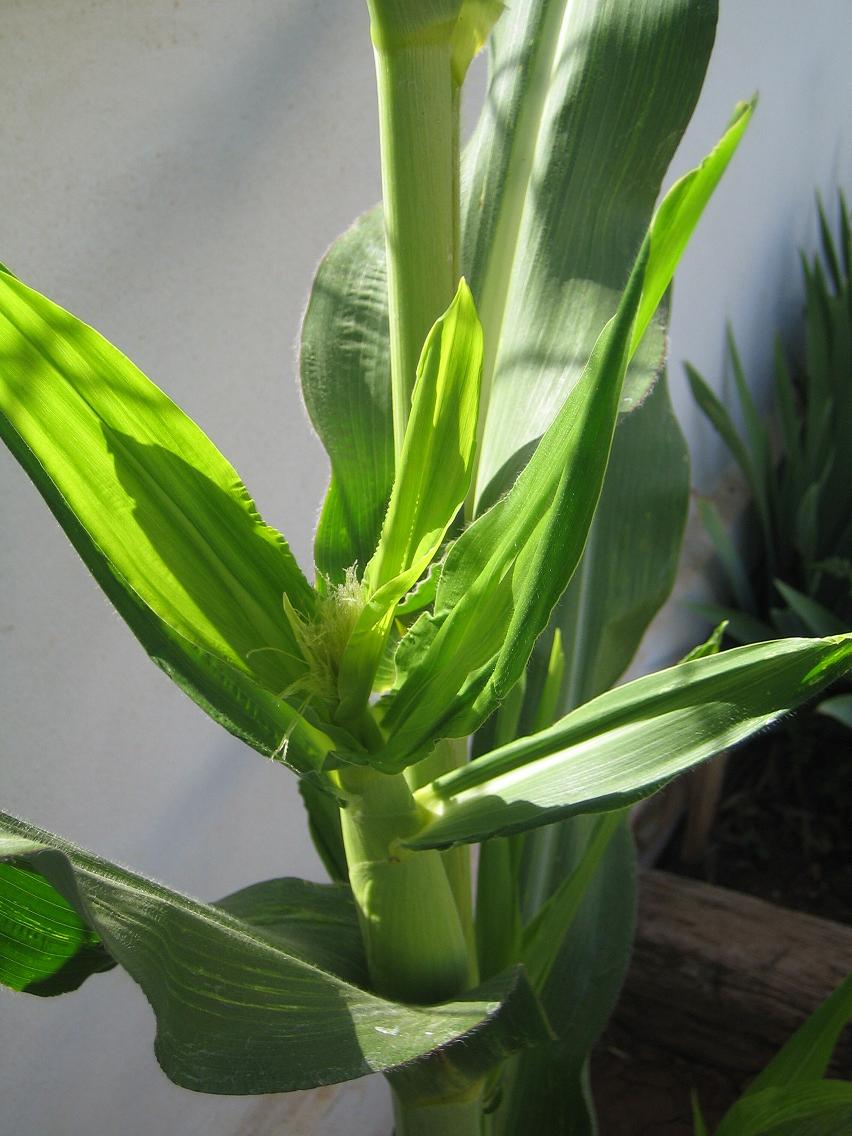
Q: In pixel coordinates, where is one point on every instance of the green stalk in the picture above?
(415, 943)
(450, 1117)
(449, 754)
(418, 126)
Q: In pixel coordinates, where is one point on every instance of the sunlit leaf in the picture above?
(627, 743)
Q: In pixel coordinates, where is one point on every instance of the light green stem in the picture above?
(449, 754)
(418, 125)
(449, 1117)
(416, 947)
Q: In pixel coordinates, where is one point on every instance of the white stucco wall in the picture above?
(172, 172)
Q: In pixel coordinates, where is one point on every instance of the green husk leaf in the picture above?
(431, 484)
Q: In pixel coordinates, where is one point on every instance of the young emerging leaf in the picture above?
(431, 483)
(627, 743)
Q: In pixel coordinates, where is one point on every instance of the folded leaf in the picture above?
(627, 743)
(239, 701)
(242, 1004)
(435, 463)
(163, 510)
(47, 947)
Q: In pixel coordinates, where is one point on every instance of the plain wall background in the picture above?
(172, 172)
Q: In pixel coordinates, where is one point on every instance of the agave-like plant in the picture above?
(483, 361)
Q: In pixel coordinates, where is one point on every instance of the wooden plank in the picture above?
(723, 978)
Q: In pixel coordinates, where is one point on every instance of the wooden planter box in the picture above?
(718, 981)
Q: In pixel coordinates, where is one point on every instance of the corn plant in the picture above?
(482, 358)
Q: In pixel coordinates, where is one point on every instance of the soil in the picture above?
(783, 830)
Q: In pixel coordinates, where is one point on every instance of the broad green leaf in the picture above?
(243, 1005)
(543, 936)
(603, 615)
(545, 1092)
(805, 1057)
(160, 504)
(627, 743)
(265, 722)
(498, 916)
(430, 485)
(561, 178)
(316, 922)
(345, 375)
(821, 1108)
